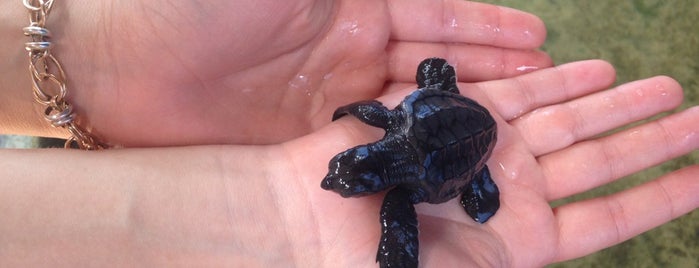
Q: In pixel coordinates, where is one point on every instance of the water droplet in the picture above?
(639, 92)
(351, 27)
(690, 136)
(518, 113)
(302, 83)
(511, 173)
(609, 102)
(490, 28)
(299, 81)
(328, 76)
(454, 24)
(525, 68)
(495, 66)
(661, 89)
(634, 133)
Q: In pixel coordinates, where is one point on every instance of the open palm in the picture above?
(262, 205)
(254, 72)
(546, 150)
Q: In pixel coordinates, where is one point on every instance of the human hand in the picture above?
(254, 72)
(548, 148)
(262, 206)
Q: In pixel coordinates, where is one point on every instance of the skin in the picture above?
(413, 167)
(191, 205)
(134, 65)
(260, 205)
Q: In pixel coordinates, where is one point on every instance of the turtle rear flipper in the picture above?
(399, 242)
(481, 197)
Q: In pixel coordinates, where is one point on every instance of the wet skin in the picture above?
(435, 148)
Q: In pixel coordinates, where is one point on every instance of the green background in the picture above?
(641, 39)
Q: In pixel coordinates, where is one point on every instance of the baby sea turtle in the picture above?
(435, 148)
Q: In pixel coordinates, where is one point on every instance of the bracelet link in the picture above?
(47, 75)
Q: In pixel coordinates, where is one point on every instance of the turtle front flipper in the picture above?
(481, 197)
(371, 112)
(399, 234)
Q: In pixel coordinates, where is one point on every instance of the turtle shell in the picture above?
(435, 148)
(455, 136)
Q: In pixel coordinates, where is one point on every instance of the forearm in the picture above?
(164, 206)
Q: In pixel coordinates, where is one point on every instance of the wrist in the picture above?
(19, 113)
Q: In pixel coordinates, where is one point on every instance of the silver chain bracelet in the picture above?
(48, 75)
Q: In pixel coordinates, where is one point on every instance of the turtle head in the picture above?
(355, 172)
(436, 73)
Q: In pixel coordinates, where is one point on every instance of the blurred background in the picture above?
(641, 38)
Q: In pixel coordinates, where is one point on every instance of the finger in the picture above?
(464, 22)
(557, 126)
(514, 97)
(473, 63)
(592, 163)
(591, 225)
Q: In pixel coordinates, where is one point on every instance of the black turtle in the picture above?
(435, 148)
